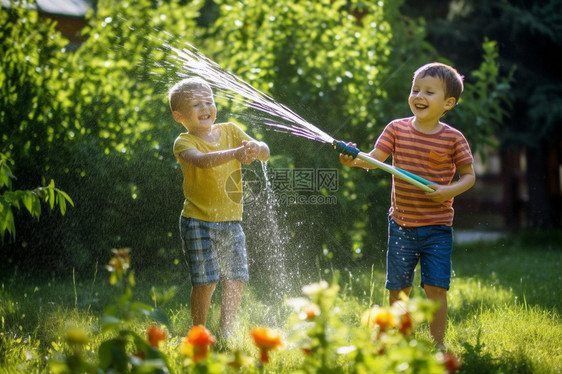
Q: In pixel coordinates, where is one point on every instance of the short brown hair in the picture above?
(450, 76)
(182, 91)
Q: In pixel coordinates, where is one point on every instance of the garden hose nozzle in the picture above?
(345, 149)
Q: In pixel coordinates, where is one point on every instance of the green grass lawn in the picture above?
(504, 309)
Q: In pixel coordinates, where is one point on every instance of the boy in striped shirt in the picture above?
(420, 223)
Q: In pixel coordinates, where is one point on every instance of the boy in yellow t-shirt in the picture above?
(213, 241)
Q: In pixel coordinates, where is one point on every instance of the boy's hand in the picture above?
(440, 193)
(465, 182)
(347, 160)
(248, 152)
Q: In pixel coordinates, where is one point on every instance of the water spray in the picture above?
(235, 89)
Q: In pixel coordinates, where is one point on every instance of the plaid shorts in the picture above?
(214, 250)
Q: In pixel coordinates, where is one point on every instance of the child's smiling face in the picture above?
(427, 98)
(199, 111)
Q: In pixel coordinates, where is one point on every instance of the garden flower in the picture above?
(114, 264)
(266, 339)
(451, 362)
(315, 288)
(378, 316)
(309, 312)
(403, 320)
(123, 254)
(120, 261)
(196, 344)
(156, 335)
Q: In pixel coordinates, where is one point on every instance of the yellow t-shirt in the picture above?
(213, 194)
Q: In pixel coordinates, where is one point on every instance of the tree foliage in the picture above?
(485, 104)
(11, 199)
(340, 65)
(96, 120)
(528, 44)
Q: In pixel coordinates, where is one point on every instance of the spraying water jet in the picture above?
(235, 89)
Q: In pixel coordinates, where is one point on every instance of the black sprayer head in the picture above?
(345, 149)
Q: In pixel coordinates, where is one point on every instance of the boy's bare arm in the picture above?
(464, 183)
(246, 153)
(211, 159)
(377, 154)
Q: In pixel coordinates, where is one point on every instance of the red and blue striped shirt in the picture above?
(434, 157)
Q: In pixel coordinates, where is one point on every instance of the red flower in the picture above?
(405, 325)
(156, 335)
(266, 339)
(451, 362)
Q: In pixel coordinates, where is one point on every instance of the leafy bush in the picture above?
(29, 199)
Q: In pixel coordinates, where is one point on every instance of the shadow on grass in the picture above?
(477, 360)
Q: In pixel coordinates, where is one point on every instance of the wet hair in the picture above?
(183, 90)
(450, 76)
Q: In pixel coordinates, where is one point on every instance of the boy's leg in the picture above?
(401, 260)
(436, 274)
(231, 298)
(200, 303)
(437, 326)
(395, 294)
(234, 274)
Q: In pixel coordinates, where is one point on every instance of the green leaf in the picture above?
(51, 198)
(160, 317)
(7, 222)
(141, 308)
(112, 354)
(62, 204)
(28, 198)
(6, 175)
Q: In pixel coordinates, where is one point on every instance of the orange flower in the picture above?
(200, 336)
(310, 312)
(114, 264)
(156, 335)
(197, 343)
(377, 316)
(123, 254)
(266, 339)
(120, 261)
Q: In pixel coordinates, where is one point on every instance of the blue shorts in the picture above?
(214, 250)
(430, 245)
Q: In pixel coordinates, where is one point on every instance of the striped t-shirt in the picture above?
(434, 157)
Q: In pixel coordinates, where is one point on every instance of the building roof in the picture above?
(71, 8)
